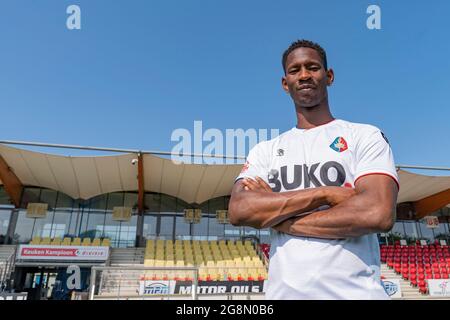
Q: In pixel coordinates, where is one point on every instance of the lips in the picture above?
(306, 87)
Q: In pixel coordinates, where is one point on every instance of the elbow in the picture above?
(234, 214)
(233, 218)
(385, 221)
(239, 214)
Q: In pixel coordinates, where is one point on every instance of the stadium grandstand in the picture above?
(140, 226)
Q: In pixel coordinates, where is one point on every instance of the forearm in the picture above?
(353, 218)
(266, 209)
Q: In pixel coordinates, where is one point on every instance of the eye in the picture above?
(293, 71)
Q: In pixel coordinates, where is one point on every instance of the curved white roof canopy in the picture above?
(86, 177)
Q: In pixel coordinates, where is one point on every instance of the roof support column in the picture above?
(13, 186)
(141, 202)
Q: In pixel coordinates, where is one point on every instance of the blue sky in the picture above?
(137, 70)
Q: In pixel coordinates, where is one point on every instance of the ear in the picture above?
(284, 84)
(330, 77)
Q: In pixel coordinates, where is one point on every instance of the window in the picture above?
(264, 236)
(30, 195)
(24, 228)
(166, 227)
(64, 202)
(149, 226)
(411, 230)
(4, 223)
(426, 233)
(4, 198)
(200, 230)
(216, 228)
(181, 227)
(398, 230)
(41, 224)
(93, 226)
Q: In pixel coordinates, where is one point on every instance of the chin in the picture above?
(307, 103)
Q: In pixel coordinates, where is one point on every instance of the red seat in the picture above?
(423, 290)
(437, 276)
(445, 276)
(421, 277)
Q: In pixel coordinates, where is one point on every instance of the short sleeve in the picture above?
(255, 164)
(374, 155)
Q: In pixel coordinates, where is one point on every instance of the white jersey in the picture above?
(334, 154)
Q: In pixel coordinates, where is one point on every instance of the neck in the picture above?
(311, 117)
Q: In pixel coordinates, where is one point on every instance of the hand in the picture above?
(285, 225)
(256, 185)
(336, 195)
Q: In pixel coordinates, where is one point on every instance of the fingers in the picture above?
(256, 184)
(251, 184)
(263, 184)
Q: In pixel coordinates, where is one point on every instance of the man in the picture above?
(326, 187)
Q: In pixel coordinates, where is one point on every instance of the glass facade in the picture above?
(413, 230)
(163, 218)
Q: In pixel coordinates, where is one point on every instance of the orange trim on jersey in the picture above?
(382, 173)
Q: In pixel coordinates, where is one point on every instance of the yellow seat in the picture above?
(86, 242)
(76, 242)
(106, 242)
(56, 241)
(36, 240)
(45, 241)
(66, 241)
(149, 262)
(96, 242)
(150, 243)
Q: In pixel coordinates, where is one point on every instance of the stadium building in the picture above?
(138, 219)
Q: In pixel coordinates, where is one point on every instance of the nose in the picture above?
(304, 74)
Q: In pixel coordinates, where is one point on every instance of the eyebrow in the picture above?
(307, 62)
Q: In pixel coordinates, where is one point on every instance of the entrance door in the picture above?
(40, 284)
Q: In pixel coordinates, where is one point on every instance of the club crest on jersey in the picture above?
(339, 144)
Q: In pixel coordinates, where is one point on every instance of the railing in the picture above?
(129, 282)
(139, 272)
(7, 269)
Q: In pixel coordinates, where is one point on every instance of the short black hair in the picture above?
(305, 44)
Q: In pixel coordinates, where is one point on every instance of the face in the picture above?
(306, 79)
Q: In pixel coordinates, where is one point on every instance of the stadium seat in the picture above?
(45, 241)
(86, 242)
(66, 241)
(76, 242)
(35, 240)
(56, 241)
(106, 242)
(96, 242)
(423, 289)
